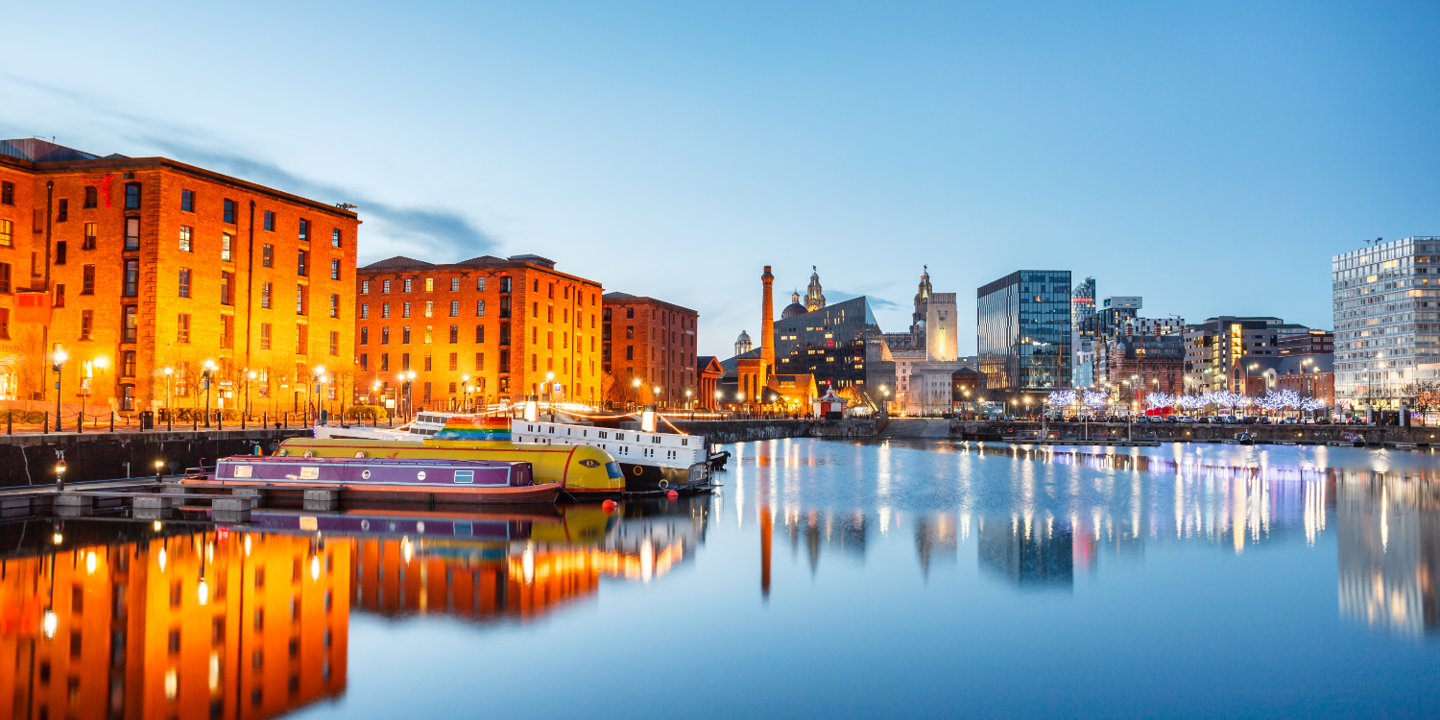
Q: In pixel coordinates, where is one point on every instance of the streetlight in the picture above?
(465, 393)
(250, 377)
(319, 392)
(205, 374)
(59, 358)
(407, 379)
(550, 393)
(60, 469)
(636, 385)
(655, 395)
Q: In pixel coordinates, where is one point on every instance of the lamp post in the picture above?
(169, 388)
(60, 476)
(464, 393)
(58, 358)
(655, 396)
(205, 374)
(250, 378)
(550, 393)
(319, 392)
(407, 379)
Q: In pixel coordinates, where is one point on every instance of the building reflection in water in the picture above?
(112, 620)
(1028, 553)
(1038, 528)
(120, 619)
(1388, 531)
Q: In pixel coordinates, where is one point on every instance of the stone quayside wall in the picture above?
(30, 459)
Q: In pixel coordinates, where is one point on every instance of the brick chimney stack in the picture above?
(767, 320)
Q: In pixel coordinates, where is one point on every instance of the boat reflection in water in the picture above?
(521, 567)
(122, 619)
(126, 620)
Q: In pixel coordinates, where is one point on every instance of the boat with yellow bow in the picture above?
(583, 470)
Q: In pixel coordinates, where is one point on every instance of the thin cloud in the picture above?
(435, 232)
(439, 232)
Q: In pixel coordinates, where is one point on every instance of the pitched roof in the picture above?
(397, 261)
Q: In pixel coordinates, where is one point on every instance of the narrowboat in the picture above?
(479, 481)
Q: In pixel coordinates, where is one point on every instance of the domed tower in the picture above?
(813, 299)
(794, 308)
(742, 344)
(922, 299)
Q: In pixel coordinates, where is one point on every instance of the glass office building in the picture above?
(1024, 331)
(841, 344)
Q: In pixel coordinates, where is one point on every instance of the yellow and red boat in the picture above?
(582, 469)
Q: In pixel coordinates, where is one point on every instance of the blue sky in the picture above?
(1209, 156)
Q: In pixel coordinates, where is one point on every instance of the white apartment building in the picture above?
(1386, 299)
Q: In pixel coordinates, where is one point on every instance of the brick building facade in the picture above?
(1142, 364)
(652, 341)
(475, 332)
(136, 266)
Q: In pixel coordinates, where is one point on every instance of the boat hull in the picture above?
(656, 478)
(387, 478)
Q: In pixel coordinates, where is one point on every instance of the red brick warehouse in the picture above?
(144, 269)
(476, 332)
(649, 344)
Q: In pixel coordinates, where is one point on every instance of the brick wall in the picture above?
(158, 303)
(553, 327)
(651, 341)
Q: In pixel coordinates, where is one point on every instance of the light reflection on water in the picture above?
(976, 568)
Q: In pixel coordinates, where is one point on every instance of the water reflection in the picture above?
(1033, 529)
(172, 624)
(190, 620)
(1389, 553)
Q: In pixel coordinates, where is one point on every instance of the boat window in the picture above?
(242, 471)
(603, 434)
(655, 439)
(464, 476)
(684, 442)
(552, 429)
(464, 528)
(619, 436)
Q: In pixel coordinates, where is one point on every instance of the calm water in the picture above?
(827, 579)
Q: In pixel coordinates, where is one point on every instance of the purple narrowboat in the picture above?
(488, 481)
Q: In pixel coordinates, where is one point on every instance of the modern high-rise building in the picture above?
(146, 272)
(476, 332)
(1082, 308)
(1386, 331)
(1024, 331)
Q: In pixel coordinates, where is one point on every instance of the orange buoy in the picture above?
(672, 495)
(608, 506)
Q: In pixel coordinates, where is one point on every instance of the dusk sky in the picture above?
(1209, 157)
